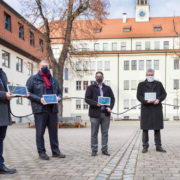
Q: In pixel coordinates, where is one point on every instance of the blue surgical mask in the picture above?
(45, 70)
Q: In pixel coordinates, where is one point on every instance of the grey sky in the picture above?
(158, 8)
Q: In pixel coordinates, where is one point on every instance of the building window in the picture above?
(176, 64)
(93, 65)
(148, 64)
(85, 85)
(96, 46)
(133, 84)
(133, 65)
(138, 45)
(133, 103)
(78, 104)
(66, 90)
(107, 82)
(156, 45)
(41, 45)
(157, 29)
(31, 38)
(126, 29)
(78, 66)
(141, 64)
(147, 45)
(100, 65)
(175, 103)
(85, 105)
(92, 82)
(105, 46)
(126, 84)
(5, 59)
(114, 46)
(107, 65)
(66, 74)
(126, 103)
(123, 46)
(29, 102)
(19, 100)
(19, 64)
(7, 21)
(56, 52)
(176, 83)
(78, 85)
(166, 44)
(30, 69)
(156, 64)
(85, 65)
(21, 31)
(126, 65)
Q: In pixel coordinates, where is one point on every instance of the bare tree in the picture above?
(65, 21)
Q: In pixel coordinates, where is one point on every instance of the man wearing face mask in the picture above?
(151, 110)
(99, 115)
(45, 115)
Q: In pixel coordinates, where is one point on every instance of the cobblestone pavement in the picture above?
(125, 163)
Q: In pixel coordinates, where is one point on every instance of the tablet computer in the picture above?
(104, 100)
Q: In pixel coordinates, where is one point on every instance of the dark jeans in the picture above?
(104, 121)
(157, 138)
(2, 137)
(50, 120)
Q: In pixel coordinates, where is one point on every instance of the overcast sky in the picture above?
(158, 8)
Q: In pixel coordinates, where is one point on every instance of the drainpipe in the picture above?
(165, 80)
(118, 88)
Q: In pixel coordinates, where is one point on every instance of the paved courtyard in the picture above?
(126, 160)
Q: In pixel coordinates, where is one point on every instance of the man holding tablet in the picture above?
(151, 93)
(45, 93)
(101, 100)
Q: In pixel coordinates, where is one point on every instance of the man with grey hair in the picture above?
(151, 109)
(45, 114)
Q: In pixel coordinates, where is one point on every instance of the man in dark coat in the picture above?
(99, 115)
(5, 119)
(151, 110)
(45, 115)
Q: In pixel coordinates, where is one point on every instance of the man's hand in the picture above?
(26, 96)
(156, 102)
(58, 99)
(98, 105)
(109, 110)
(151, 101)
(43, 101)
(9, 96)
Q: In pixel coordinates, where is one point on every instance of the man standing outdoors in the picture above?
(151, 110)
(99, 115)
(5, 119)
(45, 115)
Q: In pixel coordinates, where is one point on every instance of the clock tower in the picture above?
(142, 11)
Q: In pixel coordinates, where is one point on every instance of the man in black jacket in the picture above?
(45, 115)
(151, 110)
(5, 119)
(99, 115)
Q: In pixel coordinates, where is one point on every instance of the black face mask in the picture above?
(99, 79)
(45, 70)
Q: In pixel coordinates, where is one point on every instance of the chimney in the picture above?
(124, 18)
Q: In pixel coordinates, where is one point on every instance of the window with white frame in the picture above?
(126, 103)
(78, 66)
(123, 46)
(138, 45)
(141, 64)
(147, 45)
(19, 64)
(85, 65)
(99, 65)
(107, 66)
(96, 46)
(133, 103)
(156, 64)
(133, 84)
(19, 100)
(92, 82)
(78, 104)
(114, 46)
(85, 85)
(176, 83)
(107, 82)
(175, 103)
(133, 65)
(156, 45)
(105, 46)
(176, 64)
(78, 85)
(5, 59)
(148, 64)
(93, 65)
(126, 84)
(85, 105)
(66, 90)
(30, 69)
(126, 65)
(166, 44)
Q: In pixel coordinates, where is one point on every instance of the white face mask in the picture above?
(150, 78)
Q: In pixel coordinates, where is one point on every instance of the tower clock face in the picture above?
(142, 14)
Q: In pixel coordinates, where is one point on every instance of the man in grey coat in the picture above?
(5, 119)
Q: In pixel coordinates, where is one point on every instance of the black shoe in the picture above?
(145, 150)
(94, 153)
(5, 170)
(106, 153)
(43, 156)
(59, 155)
(160, 149)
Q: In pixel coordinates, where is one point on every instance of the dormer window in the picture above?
(157, 28)
(97, 30)
(126, 29)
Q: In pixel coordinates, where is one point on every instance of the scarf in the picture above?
(46, 79)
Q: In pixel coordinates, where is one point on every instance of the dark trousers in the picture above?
(2, 137)
(145, 138)
(104, 121)
(50, 120)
